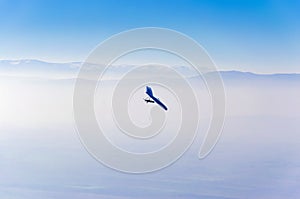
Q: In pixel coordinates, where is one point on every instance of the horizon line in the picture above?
(80, 62)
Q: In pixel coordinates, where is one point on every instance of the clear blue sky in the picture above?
(249, 35)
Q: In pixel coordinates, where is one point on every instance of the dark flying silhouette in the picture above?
(153, 98)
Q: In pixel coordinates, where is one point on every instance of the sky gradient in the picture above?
(256, 36)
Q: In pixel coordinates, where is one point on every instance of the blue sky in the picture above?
(258, 36)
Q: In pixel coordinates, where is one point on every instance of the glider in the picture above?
(154, 99)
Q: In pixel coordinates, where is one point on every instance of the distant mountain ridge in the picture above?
(37, 65)
(70, 70)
